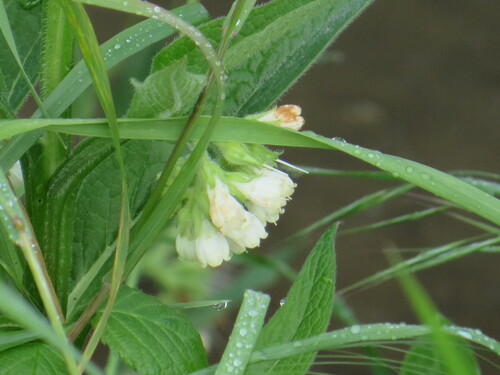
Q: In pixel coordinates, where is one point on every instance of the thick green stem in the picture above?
(40, 162)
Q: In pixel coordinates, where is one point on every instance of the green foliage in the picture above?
(69, 250)
(26, 29)
(32, 358)
(306, 311)
(151, 338)
(423, 356)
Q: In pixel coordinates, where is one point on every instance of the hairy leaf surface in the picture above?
(152, 338)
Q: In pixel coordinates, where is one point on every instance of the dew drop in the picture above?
(118, 46)
(221, 306)
(371, 155)
(157, 9)
(282, 301)
(425, 176)
(465, 334)
(409, 169)
(355, 329)
(243, 332)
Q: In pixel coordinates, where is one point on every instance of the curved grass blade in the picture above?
(429, 258)
(360, 336)
(15, 308)
(19, 230)
(417, 215)
(91, 52)
(339, 173)
(245, 333)
(454, 360)
(439, 183)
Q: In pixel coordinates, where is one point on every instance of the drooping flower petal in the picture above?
(185, 247)
(270, 190)
(212, 247)
(231, 218)
(270, 215)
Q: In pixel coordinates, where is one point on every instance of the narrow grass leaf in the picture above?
(439, 183)
(361, 335)
(424, 356)
(453, 359)
(417, 215)
(244, 334)
(427, 259)
(10, 339)
(89, 47)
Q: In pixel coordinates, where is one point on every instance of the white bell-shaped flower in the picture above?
(212, 247)
(185, 247)
(267, 193)
(231, 218)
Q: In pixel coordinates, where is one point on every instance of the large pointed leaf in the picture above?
(32, 359)
(169, 92)
(83, 204)
(278, 42)
(152, 338)
(306, 311)
(26, 28)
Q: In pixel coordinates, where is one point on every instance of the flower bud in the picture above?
(287, 115)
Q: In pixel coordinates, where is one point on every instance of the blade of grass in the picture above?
(425, 260)
(148, 10)
(243, 130)
(91, 52)
(245, 333)
(427, 313)
(15, 308)
(20, 233)
(362, 336)
(439, 183)
(417, 215)
(362, 204)
(339, 173)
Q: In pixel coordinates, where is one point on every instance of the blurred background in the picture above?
(414, 78)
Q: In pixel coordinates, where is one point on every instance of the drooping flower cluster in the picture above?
(236, 192)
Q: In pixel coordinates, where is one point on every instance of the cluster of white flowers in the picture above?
(227, 209)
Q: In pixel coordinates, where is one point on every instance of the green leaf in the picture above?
(152, 338)
(306, 311)
(244, 334)
(362, 335)
(271, 51)
(82, 209)
(423, 358)
(26, 29)
(169, 92)
(33, 359)
(439, 183)
(132, 40)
